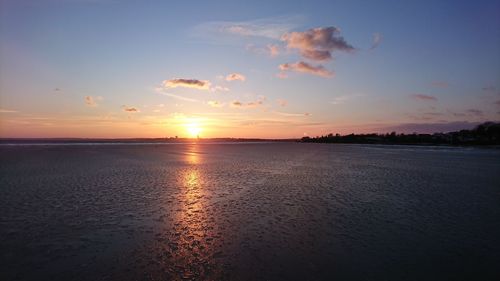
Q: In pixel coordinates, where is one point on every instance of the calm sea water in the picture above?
(267, 211)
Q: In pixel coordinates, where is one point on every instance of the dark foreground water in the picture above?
(276, 211)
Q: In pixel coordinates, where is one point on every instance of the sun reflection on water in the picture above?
(192, 157)
(193, 233)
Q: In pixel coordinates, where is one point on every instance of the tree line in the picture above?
(487, 133)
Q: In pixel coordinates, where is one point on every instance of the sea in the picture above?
(248, 211)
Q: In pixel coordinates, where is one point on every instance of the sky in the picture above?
(250, 69)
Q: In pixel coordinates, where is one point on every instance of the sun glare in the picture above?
(193, 130)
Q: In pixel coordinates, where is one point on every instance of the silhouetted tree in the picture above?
(484, 134)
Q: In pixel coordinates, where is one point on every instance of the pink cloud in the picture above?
(235, 77)
(130, 109)
(274, 50)
(271, 50)
(317, 43)
(304, 67)
(92, 101)
(282, 75)
(7, 111)
(282, 102)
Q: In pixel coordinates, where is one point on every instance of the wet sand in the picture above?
(275, 211)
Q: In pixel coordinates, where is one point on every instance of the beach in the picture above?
(248, 211)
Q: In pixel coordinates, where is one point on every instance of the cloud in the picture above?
(187, 83)
(376, 40)
(425, 116)
(130, 109)
(458, 114)
(489, 89)
(424, 97)
(274, 50)
(259, 102)
(339, 100)
(344, 98)
(317, 43)
(475, 112)
(235, 77)
(282, 102)
(219, 89)
(282, 75)
(255, 103)
(427, 128)
(497, 102)
(271, 50)
(440, 84)
(469, 112)
(214, 103)
(271, 28)
(236, 104)
(434, 113)
(287, 114)
(7, 111)
(92, 101)
(280, 123)
(160, 91)
(306, 68)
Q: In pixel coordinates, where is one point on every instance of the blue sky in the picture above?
(73, 68)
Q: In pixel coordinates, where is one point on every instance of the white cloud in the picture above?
(376, 40)
(344, 98)
(214, 103)
(270, 28)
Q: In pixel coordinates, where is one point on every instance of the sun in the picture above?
(193, 129)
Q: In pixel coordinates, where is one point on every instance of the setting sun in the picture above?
(249, 140)
(193, 129)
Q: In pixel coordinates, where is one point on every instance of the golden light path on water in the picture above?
(194, 235)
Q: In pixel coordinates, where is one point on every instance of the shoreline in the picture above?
(145, 142)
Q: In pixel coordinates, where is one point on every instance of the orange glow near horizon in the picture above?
(193, 129)
(246, 76)
(183, 125)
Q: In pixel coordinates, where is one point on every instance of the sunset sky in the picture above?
(266, 69)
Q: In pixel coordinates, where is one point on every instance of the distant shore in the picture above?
(134, 140)
(486, 134)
